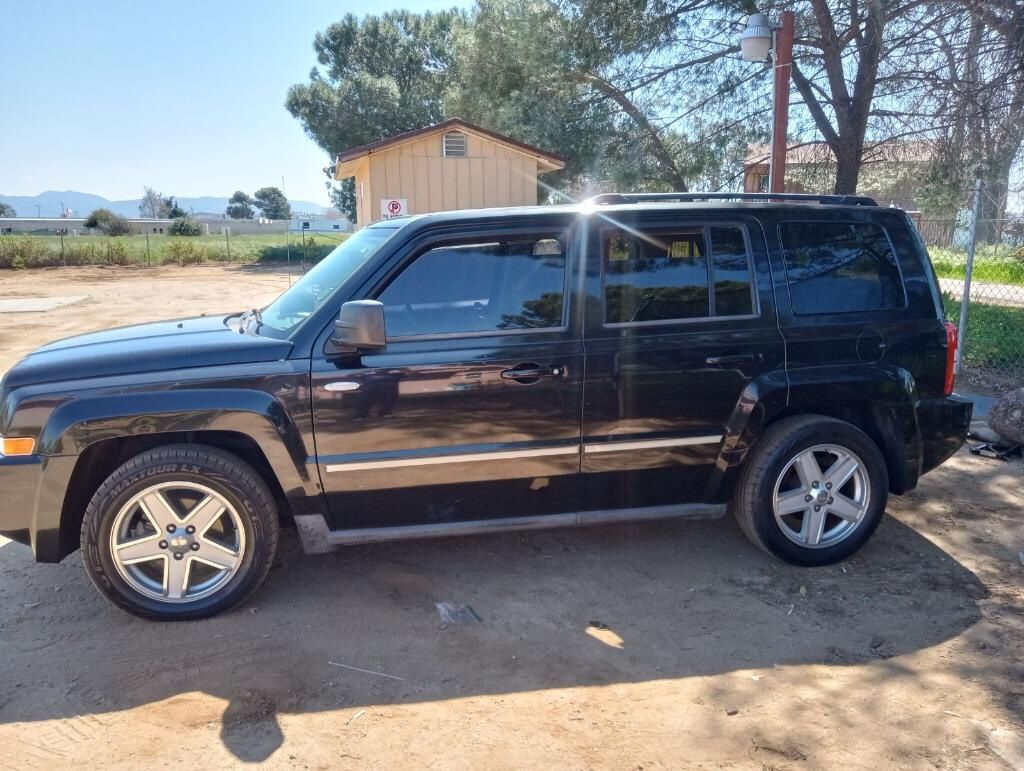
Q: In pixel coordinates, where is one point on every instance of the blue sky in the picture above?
(109, 95)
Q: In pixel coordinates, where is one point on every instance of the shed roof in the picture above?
(548, 161)
(819, 153)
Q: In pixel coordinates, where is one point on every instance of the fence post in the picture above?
(148, 262)
(965, 302)
(227, 239)
(288, 241)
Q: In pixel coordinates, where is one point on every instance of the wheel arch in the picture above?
(879, 400)
(893, 429)
(86, 438)
(101, 458)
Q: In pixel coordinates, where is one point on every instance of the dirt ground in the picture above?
(662, 645)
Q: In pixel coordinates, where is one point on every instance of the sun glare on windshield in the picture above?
(309, 292)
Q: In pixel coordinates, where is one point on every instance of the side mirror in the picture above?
(360, 326)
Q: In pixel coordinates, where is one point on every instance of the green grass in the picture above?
(37, 251)
(998, 265)
(993, 339)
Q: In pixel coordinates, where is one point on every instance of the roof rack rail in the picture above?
(839, 200)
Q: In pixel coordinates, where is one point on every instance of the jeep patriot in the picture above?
(634, 357)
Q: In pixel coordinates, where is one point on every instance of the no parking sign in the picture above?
(393, 207)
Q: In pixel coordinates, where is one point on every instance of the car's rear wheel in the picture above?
(180, 532)
(813, 490)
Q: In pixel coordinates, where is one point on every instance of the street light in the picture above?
(756, 40)
(760, 37)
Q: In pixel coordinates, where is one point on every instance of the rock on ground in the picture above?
(1007, 416)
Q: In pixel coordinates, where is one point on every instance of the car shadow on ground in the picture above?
(557, 608)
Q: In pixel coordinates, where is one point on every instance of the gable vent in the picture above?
(454, 145)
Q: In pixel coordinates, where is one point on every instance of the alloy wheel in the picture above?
(822, 496)
(177, 541)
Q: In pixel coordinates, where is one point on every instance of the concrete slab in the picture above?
(982, 404)
(1009, 295)
(38, 304)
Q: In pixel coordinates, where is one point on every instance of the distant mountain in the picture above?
(81, 204)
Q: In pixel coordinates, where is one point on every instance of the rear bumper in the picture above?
(30, 504)
(943, 424)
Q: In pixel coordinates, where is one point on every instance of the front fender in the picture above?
(80, 422)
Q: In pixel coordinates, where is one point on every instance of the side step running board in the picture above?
(544, 521)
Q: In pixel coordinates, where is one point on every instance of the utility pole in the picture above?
(783, 67)
(758, 39)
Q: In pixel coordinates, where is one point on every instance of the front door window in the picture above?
(486, 286)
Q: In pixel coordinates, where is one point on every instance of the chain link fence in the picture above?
(289, 243)
(992, 344)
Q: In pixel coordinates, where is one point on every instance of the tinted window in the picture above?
(838, 267)
(656, 276)
(665, 276)
(511, 284)
(733, 286)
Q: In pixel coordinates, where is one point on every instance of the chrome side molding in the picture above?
(650, 444)
(529, 452)
(432, 460)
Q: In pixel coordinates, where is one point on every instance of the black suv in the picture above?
(634, 357)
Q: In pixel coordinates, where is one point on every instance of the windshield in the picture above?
(309, 292)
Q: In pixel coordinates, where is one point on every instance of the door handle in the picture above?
(342, 385)
(529, 372)
(731, 359)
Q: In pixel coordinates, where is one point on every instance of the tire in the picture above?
(140, 553)
(779, 478)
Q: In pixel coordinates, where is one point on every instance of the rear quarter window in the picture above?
(837, 267)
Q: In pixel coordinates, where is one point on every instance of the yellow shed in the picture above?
(451, 165)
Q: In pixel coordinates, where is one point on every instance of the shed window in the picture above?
(454, 145)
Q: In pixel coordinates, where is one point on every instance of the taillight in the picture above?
(951, 338)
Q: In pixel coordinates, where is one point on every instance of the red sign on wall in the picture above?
(393, 207)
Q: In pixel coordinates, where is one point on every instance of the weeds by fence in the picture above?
(39, 251)
(992, 352)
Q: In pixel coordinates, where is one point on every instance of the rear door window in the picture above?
(676, 274)
(734, 286)
(835, 267)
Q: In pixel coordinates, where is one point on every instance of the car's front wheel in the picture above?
(180, 532)
(813, 490)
